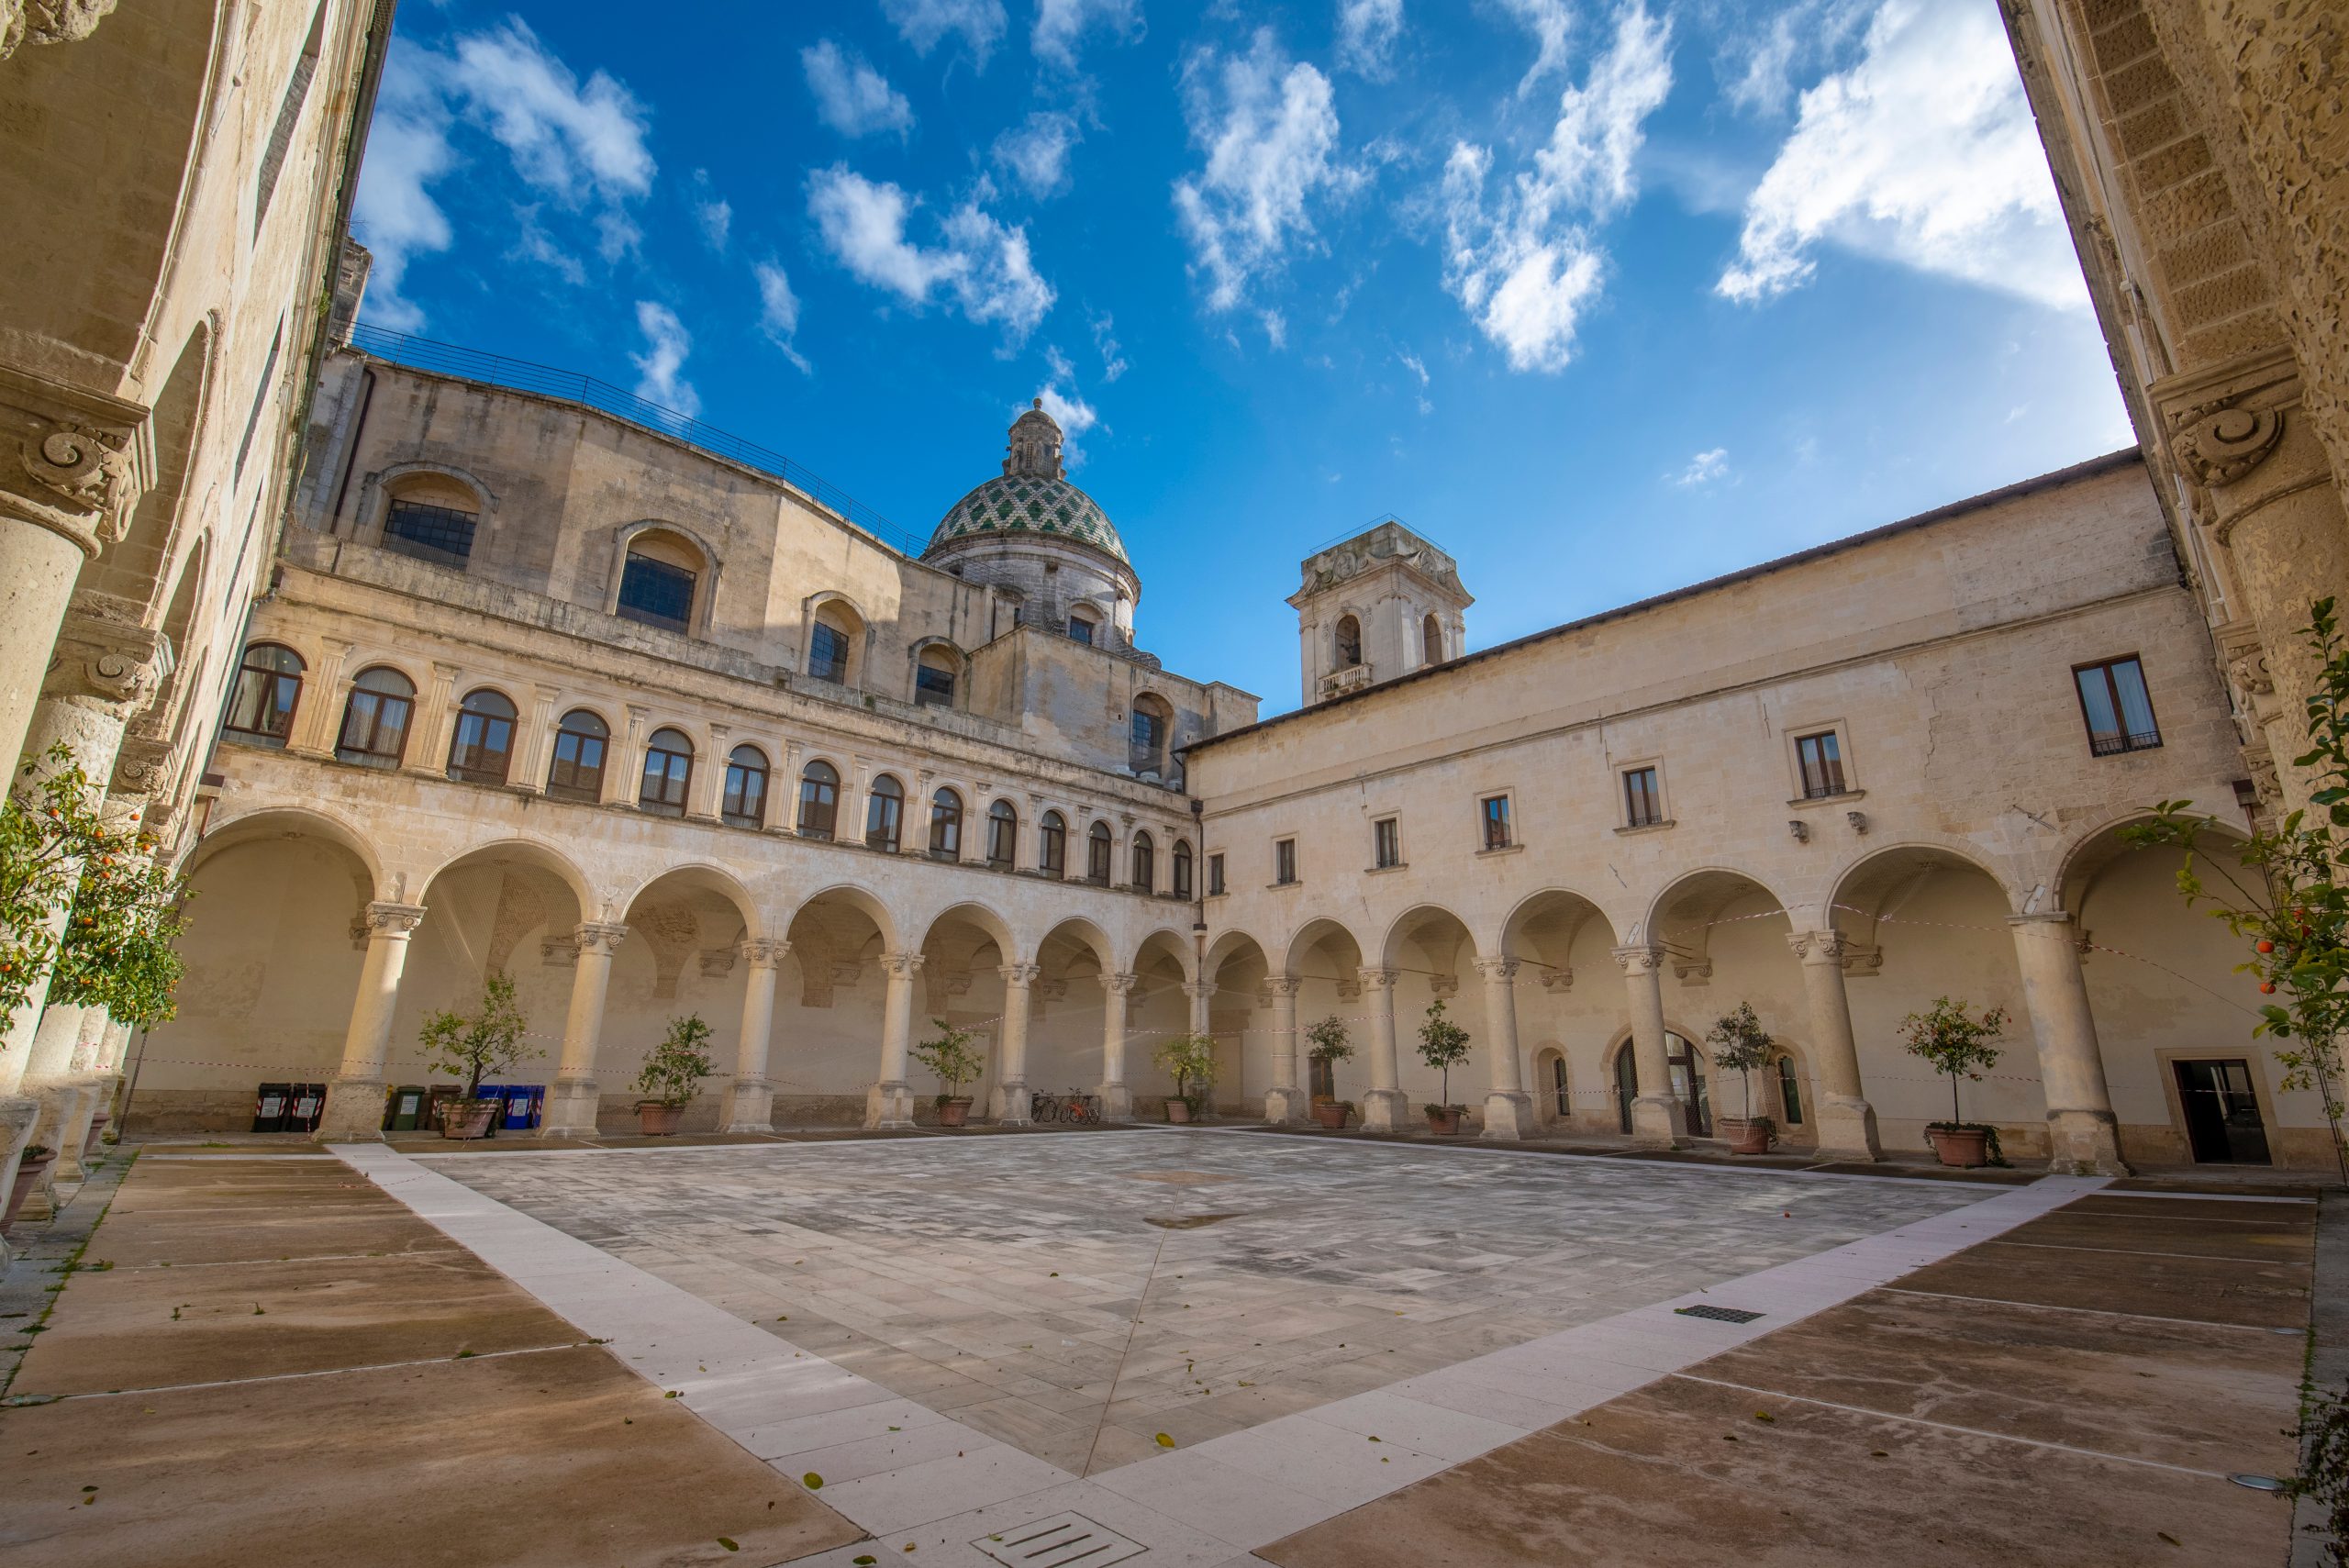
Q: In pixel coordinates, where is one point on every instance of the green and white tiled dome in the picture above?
(1032, 496)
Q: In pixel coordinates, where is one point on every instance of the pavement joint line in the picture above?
(1949, 1427)
(2212, 1198)
(298, 1377)
(256, 1155)
(252, 1263)
(1698, 1167)
(2121, 1251)
(2091, 1311)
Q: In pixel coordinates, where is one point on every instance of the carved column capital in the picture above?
(1380, 979)
(1641, 960)
(1820, 946)
(599, 938)
(901, 965)
(1119, 984)
(391, 922)
(1194, 989)
(1282, 984)
(2218, 443)
(1019, 976)
(1497, 970)
(72, 462)
(764, 953)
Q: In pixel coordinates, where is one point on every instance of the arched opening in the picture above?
(1348, 650)
(431, 517)
(836, 642)
(1145, 864)
(830, 1004)
(1236, 968)
(1562, 944)
(1326, 962)
(885, 814)
(1432, 960)
(682, 956)
(946, 826)
(936, 671)
(663, 582)
(1003, 834)
(481, 749)
(1067, 1006)
(668, 773)
(1051, 845)
(1149, 725)
(1083, 626)
(577, 770)
(963, 952)
(1431, 639)
(267, 693)
(1181, 884)
(376, 718)
(819, 799)
(745, 801)
(1096, 854)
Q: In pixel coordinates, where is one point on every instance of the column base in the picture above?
(2084, 1143)
(1659, 1121)
(571, 1109)
(17, 1117)
(1008, 1104)
(749, 1107)
(1385, 1110)
(1117, 1102)
(73, 1129)
(354, 1113)
(1284, 1107)
(889, 1105)
(64, 1121)
(1847, 1129)
(1508, 1115)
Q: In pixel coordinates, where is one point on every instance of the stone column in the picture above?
(317, 717)
(73, 466)
(1284, 1102)
(1508, 1109)
(574, 1098)
(435, 724)
(708, 777)
(1117, 1098)
(1659, 1116)
(1845, 1120)
(354, 1108)
(1011, 1093)
(1201, 995)
(1385, 1108)
(49, 1075)
(890, 1103)
(2083, 1135)
(624, 761)
(750, 1104)
(534, 747)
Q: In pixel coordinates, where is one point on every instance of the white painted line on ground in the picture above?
(1205, 1507)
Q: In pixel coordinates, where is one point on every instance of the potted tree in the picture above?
(956, 1062)
(1957, 1042)
(487, 1045)
(1443, 1045)
(36, 1158)
(1190, 1059)
(671, 1075)
(1740, 1044)
(1327, 1047)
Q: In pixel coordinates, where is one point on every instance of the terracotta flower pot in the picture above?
(1746, 1134)
(1177, 1108)
(99, 1120)
(29, 1174)
(1332, 1114)
(658, 1121)
(467, 1118)
(1965, 1147)
(955, 1112)
(1444, 1121)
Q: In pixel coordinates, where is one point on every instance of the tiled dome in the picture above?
(1030, 504)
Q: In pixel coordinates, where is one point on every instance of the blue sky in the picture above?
(1603, 298)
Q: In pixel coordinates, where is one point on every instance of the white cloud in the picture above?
(616, 235)
(666, 346)
(1366, 33)
(1058, 23)
(1525, 263)
(1036, 151)
(1270, 131)
(1923, 154)
(1703, 469)
(1757, 66)
(533, 243)
(984, 264)
(713, 212)
(779, 313)
(565, 139)
(1551, 22)
(850, 96)
(1071, 412)
(925, 23)
(394, 215)
(1417, 367)
(1105, 341)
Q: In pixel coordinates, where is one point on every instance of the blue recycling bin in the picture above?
(523, 1102)
(496, 1094)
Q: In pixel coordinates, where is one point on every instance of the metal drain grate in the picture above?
(1718, 1314)
(1064, 1540)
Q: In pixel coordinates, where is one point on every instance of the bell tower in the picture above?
(1378, 606)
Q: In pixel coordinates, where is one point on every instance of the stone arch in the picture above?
(1165, 943)
(289, 821)
(2092, 851)
(1420, 926)
(861, 900)
(1079, 933)
(963, 946)
(706, 876)
(1329, 940)
(538, 855)
(1682, 918)
(982, 917)
(1542, 930)
(835, 934)
(674, 544)
(848, 619)
(1872, 888)
(677, 914)
(135, 574)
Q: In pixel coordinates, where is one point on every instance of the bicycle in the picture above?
(1044, 1108)
(1082, 1110)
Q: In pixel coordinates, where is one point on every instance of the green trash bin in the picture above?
(404, 1108)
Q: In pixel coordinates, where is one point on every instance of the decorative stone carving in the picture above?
(1380, 979)
(72, 462)
(1120, 984)
(1640, 960)
(2218, 443)
(49, 21)
(1557, 980)
(559, 953)
(717, 962)
(116, 666)
(1443, 985)
(764, 953)
(599, 938)
(1692, 970)
(1020, 974)
(1279, 985)
(1497, 967)
(391, 920)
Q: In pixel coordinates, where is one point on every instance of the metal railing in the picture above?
(522, 375)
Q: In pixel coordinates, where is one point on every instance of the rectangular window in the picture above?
(1385, 843)
(1642, 802)
(1215, 876)
(1822, 757)
(656, 594)
(442, 535)
(2118, 711)
(1494, 811)
(1284, 861)
(934, 688)
(1081, 629)
(827, 654)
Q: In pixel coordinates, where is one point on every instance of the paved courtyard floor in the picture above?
(1077, 1298)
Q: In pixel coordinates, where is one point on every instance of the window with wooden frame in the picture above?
(1182, 868)
(946, 826)
(1145, 863)
(819, 797)
(481, 748)
(745, 804)
(1820, 758)
(1097, 849)
(376, 718)
(2117, 707)
(577, 770)
(269, 687)
(1003, 834)
(884, 810)
(1284, 861)
(1215, 875)
(1052, 844)
(1643, 799)
(1385, 843)
(668, 773)
(1495, 827)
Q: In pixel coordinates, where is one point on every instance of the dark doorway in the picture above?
(1558, 1088)
(1627, 1085)
(1688, 1083)
(2222, 1112)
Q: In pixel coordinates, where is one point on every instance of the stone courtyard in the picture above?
(1074, 1299)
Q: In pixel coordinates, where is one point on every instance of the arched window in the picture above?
(432, 518)
(1052, 844)
(819, 799)
(746, 788)
(1080, 626)
(577, 772)
(1145, 863)
(1182, 868)
(1789, 1091)
(934, 678)
(832, 640)
(1431, 639)
(269, 686)
(375, 721)
(885, 813)
(668, 772)
(658, 582)
(1146, 734)
(1096, 854)
(1349, 642)
(481, 749)
(1003, 834)
(946, 825)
